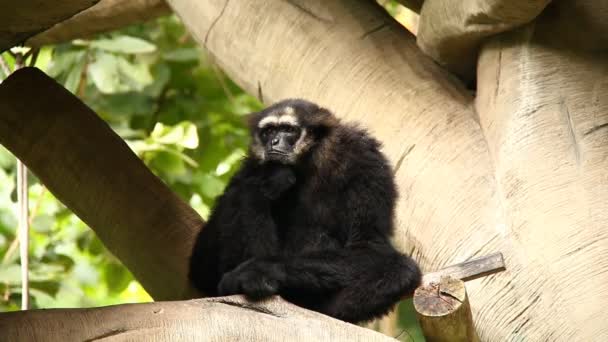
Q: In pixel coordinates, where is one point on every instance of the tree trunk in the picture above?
(543, 104)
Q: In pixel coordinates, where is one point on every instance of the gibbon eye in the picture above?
(266, 132)
(291, 129)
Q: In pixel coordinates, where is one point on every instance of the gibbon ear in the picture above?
(251, 120)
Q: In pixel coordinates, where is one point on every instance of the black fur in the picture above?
(316, 232)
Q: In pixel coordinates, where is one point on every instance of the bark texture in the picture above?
(543, 104)
(217, 319)
(92, 171)
(20, 20)
(451, 32)
(444, 312)
(105, 16)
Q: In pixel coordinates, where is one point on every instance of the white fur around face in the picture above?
(286, 117)
(268, 120)
(257, 148)
(289, 120)
(299, 145)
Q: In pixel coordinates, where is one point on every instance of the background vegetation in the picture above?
(176, 110)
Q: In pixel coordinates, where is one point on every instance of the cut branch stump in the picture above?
(444, 313)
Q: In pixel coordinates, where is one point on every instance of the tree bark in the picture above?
(23, 19)
(451, 32)
(93, 172)
(106, 15)
(214, 319)
(444, 312)
(543, 104)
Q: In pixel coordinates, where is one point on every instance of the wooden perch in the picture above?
(105, 16)
(469, 270)
(93, 172)
(212, 319)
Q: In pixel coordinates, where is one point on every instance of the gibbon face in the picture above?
(285, 132)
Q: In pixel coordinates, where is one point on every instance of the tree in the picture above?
(517, 166)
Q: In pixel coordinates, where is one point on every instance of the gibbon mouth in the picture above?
(278, 153)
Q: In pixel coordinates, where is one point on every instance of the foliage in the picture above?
(174, 108)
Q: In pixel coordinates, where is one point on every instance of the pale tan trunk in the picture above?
(543, 103)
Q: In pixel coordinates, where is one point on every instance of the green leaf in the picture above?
(190, 138)
(92, 244)
(196, 202)
(233, 159)
(8, 221)
(161, 75)
(10, 274)
(43, 223)
(124, 44)
(48, 287)
(169, 163)
(117, 277)
(86, 274)
(211, 186)
(42, 295)
(182, 55)
(62, 63)
(72, 81)
(44, 272)
(166, 134)
(104, 73)
(183, 134)
(7, 159)
(137, 75)
(59, 260)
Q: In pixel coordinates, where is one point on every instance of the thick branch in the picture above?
(452, 31)
(543, 105)
(217, 319)
(20, 20)
(93, 172)
(105, 16)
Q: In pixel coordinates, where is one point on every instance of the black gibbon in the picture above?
(309, 217)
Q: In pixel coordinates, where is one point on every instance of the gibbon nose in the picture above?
(275, 141)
